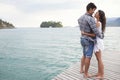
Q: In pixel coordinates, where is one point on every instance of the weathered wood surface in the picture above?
(111, 62)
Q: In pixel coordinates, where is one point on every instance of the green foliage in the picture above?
(47, 24)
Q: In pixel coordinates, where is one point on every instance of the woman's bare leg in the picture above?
(100, 65)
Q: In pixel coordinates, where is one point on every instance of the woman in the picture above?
(98, 47)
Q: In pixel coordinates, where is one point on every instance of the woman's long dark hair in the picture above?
(102, 19)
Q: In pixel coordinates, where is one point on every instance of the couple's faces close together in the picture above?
(92, 11)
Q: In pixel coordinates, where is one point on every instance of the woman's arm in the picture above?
(88, 34)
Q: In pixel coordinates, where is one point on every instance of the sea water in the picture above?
(43, 53)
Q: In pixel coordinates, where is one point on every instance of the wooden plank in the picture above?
(111, 69)
(109, 65)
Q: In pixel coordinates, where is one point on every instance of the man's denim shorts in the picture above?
(88, 47)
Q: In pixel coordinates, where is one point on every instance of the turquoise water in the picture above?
(41, 54)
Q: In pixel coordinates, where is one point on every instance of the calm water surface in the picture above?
(41, 54)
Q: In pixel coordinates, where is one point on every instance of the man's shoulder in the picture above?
(88, 17)
(83, 17)
(80, 17)
(91, 19)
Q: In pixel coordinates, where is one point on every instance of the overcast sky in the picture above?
(30, 13)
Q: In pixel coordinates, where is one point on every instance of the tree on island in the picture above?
(6, 25)
(53, 24)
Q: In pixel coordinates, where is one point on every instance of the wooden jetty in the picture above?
(111, 62)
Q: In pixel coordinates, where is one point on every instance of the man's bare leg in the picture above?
(87, 64)
(82, 64)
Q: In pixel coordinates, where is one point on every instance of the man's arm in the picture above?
(92, 24)
(80, 22)
(88, 34)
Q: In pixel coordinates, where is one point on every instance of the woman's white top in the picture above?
(99, 45)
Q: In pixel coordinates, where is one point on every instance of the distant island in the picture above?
(6, 25)
(113, 22)
(51, 24)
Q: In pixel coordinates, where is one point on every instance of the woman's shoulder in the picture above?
(98, 24)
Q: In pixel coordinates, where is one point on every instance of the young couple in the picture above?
(92, 34)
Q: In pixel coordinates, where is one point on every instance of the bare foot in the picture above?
(81, 71)
(87, 75)
(95, 75)
(99, 77)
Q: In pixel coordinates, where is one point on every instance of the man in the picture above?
(87, 24)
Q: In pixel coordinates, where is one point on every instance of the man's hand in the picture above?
(88, 34)
(82, 32)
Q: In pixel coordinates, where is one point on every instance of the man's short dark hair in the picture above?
(90, 5)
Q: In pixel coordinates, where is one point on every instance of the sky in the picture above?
(30, 13)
